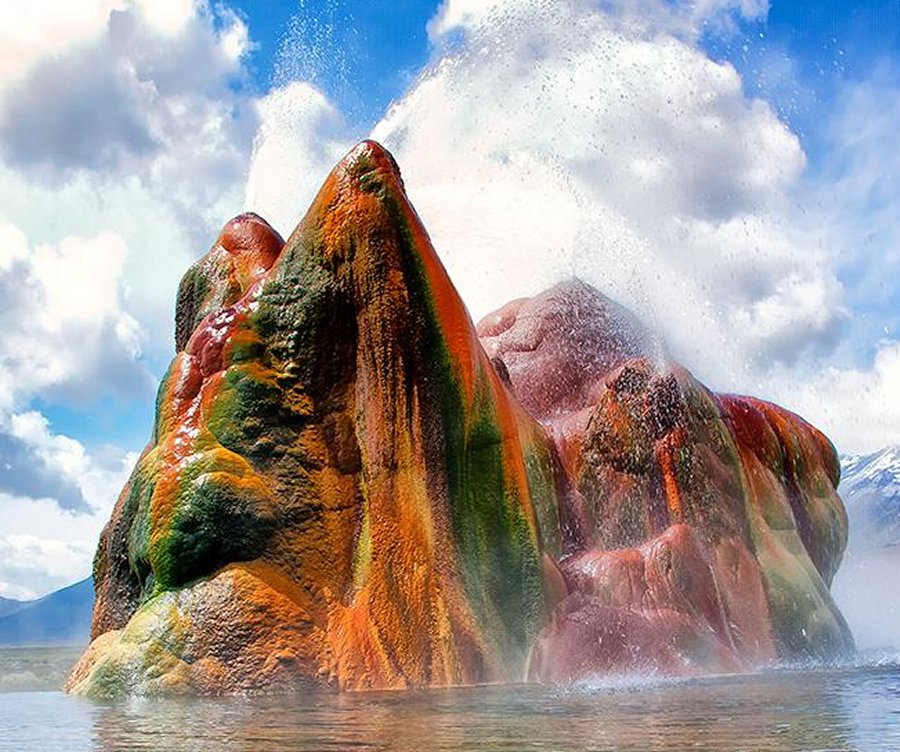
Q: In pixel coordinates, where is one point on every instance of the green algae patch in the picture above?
(221, 517)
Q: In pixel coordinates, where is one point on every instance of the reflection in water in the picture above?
(874, 708)
(851, 709)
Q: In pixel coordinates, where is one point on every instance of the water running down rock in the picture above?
(348, 486)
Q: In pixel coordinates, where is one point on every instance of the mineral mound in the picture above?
(348, 486)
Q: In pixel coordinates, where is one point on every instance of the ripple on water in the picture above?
(841, 708)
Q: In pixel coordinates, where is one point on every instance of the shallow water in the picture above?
(854, 708)
(30, 669)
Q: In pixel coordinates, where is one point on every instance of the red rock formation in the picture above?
(334, 458)
(706, 528)
(345, 488)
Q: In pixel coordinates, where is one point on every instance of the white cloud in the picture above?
(301, 136)
(154, 90)
(125, 133)
(686, 18)
(560, 140)
(59, 452)
(160, 242)
(47, 543)
(460, 14)
(136, 124)
(30, 31)
(31, 566)
(857, 192)
(166, 17)
(72, 334)
(853, 194)
(39, 29)
(859, 408)
(139, 124)
(98, 478)
(690, 173)
(234, 40)
(44, 547)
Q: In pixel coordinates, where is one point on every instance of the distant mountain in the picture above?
(10, 606)
(61, 618)
(870, 488)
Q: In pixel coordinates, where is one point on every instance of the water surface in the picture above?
(853, 708)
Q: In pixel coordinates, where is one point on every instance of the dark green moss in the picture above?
(247, 408)
(540, 468)
(307, 322)
(496, 547)
(218, 521)
(139, 535)
(805, 622)
(192, 291)
(246, 349)
(497, 550)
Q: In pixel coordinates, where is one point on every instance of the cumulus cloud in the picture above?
(55, 497)
(46, 543)
(148, 91)
(125, 131)
(31, 30)
(852, 195)
(858, 407)
(21, 475)
(31, 566)
(44, 547)
(857, 192)
(60, 457)
(301, 135)
(53, 119)
(564, 138)
(72, 335)
(136, 118)
(158, 245)
(686, 19)
(72, 339)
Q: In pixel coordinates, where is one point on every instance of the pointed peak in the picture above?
(369, 165)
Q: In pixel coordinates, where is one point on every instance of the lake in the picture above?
(850, 708)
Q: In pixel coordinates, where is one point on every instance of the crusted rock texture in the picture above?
(702, 531)
(346, 488)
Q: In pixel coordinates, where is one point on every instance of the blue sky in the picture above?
(726, 168)
(364, 55)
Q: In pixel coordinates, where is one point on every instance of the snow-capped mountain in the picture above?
(870, 488)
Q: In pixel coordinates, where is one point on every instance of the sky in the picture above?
(728, 169)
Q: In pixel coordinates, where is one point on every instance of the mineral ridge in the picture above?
(349, 486)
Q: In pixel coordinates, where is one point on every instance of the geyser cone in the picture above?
(707, 527)
(344, 490)
(339, 425)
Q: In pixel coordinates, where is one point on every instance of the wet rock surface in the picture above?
(348, 486)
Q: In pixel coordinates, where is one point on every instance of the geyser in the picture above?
(347, 488)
